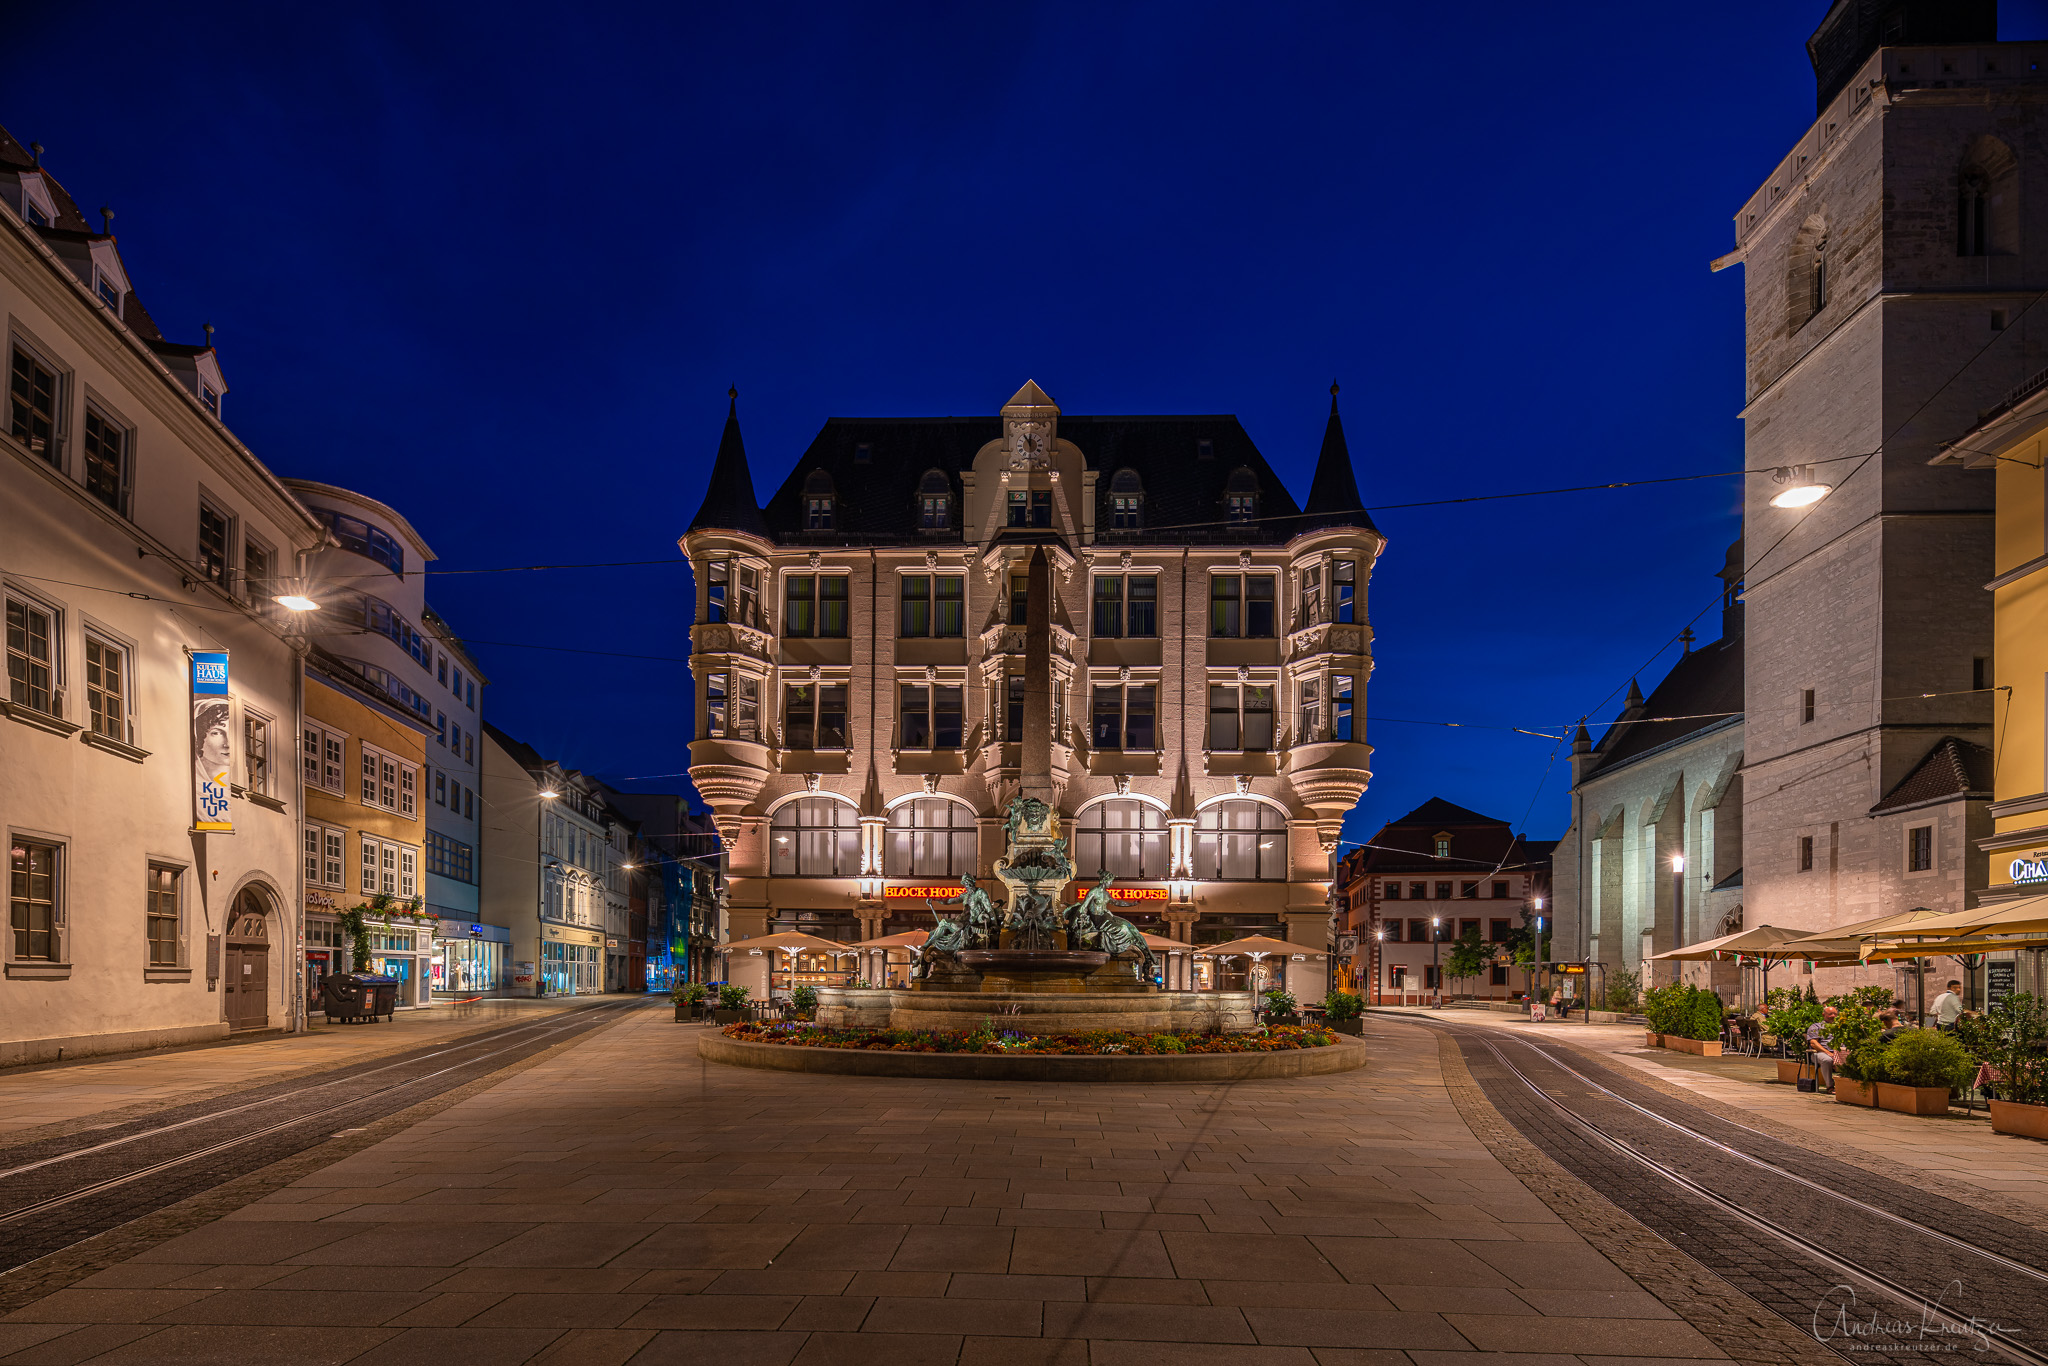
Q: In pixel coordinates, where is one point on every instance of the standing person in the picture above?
(1948, 1007)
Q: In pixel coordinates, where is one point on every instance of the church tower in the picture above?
(1888, 288)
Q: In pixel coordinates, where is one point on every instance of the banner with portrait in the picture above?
(213, 743)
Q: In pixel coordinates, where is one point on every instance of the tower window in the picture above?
(1973, 202)
(1820, 276)
(818, 514)
(863, 454)
(1031, 507)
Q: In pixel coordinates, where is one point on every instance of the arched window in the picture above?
(1973, 221)
(814, 837)
(819, 497)
(931, 837)
(1126, 501)
(1240, 842)
(935, 502)
(1127, 838)
(1241, 495)
(1808, 275)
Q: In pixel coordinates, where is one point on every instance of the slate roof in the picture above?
(1705, 685)
(877, 491)
(1953, 768)
(1479, 843)
(729, 497)
(1333, 494)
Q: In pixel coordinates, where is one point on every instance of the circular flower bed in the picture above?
(989, 1039)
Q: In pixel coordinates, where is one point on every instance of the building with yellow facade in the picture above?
(2012, 439)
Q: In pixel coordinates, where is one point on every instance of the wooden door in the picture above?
(248, 986)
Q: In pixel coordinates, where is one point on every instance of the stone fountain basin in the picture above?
(1033, 962)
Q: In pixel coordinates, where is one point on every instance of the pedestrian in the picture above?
(1823, 1060)
(1892, 1028)
(1948, 1007)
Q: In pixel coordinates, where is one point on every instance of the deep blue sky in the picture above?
(496, 265)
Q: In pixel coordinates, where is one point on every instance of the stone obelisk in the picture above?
(1037, 759)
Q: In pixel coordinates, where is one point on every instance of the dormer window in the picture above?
(210, 399)
(1031, 507)
(819, 497)
(1241, 496)
(1126, 501)
(32, 213)
(934, 502)
(1205, 450)
(863, 454)
(108, 289)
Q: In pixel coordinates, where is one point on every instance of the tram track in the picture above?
(61, 1191)
(1714, 1187)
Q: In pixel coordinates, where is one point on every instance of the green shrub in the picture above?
(1664, 1007)
(805, 999)
(1623, 987)
(1790, 1015)
(732, 997)
(1975, 1034)
(1168, 1043)
(1701, 1016)
(1279, 1002)
(1923, 1057)
(2018, 1026)
(1854, 1032)
(1343, 1005)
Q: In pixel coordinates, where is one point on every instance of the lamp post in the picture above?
(1379, 937)
(1536, 984)
(1436, 956)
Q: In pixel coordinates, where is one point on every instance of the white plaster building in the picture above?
(134, 530)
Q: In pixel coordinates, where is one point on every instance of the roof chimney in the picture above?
(207, 328)
(35, 150)
(107, 221)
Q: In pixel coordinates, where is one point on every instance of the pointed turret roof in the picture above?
(1031, 396)
(729, 498)
(1333, 495)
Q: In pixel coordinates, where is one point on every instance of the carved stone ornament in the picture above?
(1123, 784)
(931, 782)
(729, 828)
(1123, 561)
(931, 559)
(1244, 673)
(1244, 784)
(814, 673)
(816, 559)
(811, 781)
(1244, 559)
(931, 673)
(1123, 675)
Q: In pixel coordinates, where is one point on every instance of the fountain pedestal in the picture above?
(1034, 971)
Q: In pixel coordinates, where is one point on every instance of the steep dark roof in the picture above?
(1479, 844)
(1705, 685)
(1953, 768)
(729, 498)
(1437, 813)
(1333, 494)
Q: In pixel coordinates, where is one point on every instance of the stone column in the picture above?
(1037, 758)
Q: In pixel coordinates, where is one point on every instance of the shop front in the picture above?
(404, 950)
(470, 958)
(571, 961)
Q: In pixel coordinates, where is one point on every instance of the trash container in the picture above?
(352, 996)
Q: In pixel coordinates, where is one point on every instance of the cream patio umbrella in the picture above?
(791, 942)
(911, 940)
(1171, 949)
(1258, 947)
(1767, 944)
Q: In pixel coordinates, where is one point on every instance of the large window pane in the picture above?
(947, 717)
(1258, 718)
(914, 728)
(1107, 718)
(832, 605)
(832, 716)
(1013, 729)
(1141, 618)
(917, 604)
(1109, 605)
(1138, 719)
(1223, 729)
(1259, 605)
(1223, 605)
(929, 837)
(949, 616)
(799, 717)
(799, 619)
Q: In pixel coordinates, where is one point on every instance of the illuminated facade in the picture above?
(857, 668)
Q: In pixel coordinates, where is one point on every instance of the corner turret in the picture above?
(729, 498)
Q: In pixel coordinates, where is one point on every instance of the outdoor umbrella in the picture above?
(791, 942)
(1257, 947)
(1162, 945)
(2028, 915)
(1766, 943)
(912, 940)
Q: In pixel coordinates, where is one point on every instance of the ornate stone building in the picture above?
(1889, 290)
(858, 667)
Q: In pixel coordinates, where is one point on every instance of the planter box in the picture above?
(1705, 1048)
(1653, 1040)
(1912, 1100)
(682, 1013)
(1355, 1028)
(726, 1017)
(2012, 1117)
(1851, 1092)
(1789, 1070)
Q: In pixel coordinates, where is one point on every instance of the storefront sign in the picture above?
(1123, 893)
(2030, 869)
(893, 892)
(322, 900)
(213, 743)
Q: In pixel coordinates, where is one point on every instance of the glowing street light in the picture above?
(296, 602)
(1800, 489)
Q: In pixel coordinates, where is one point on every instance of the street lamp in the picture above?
(1436, 959)
(296, 602)
(1798, 487)
(1536, 985)
(1378, 955)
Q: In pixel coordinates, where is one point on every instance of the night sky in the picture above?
(496, 266)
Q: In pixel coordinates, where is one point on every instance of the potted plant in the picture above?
(1853, 1036)
(1787, 1019)
(805, 1001)
(1345, 1010)
(1660, 1012)
(1281, 1007)
(2018, 1054)
(1921, 1068)
(688, 996)
(732, 1004)
(1685, 1019)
